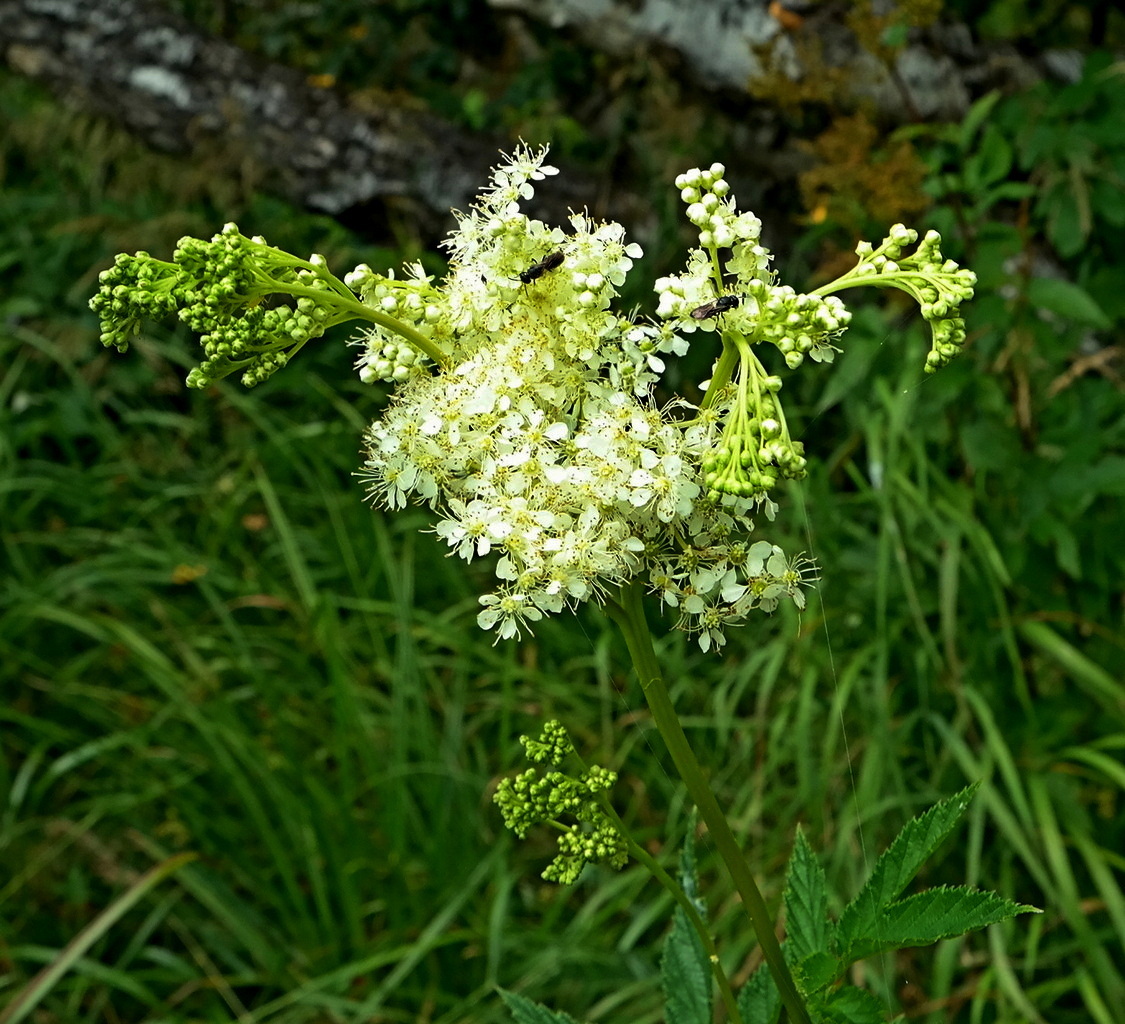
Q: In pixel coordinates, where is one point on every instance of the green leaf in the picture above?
(817, 971)
(759, 1001)
(807, 928)
(1067, 300)
(992, 161)
(976, 116)
(686, 974)
(849, 1005)
(689, 874)
(1009, 191)
(1068, 224)
(933, 915)
(894, 36)
(895, 869)
(524, 1011)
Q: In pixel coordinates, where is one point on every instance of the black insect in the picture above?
(537, 270)
(720, 305)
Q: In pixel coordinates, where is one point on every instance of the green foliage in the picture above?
(685, 970)
(686, 974)
(896, 868)
(806, 904)
(759, 1002)
(820, 950)
(524, 1011)
(1031, 183)
(876, 920)
(323, 713)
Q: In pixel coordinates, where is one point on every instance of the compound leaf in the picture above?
(895, 869)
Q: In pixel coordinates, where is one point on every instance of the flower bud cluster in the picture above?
(388, 359)
(798, 325)
(937, 284)
(740, 299)
(385, 354)
(755, 451)
(552, 747)
(531, 799)
(221, 290)
(711, 208)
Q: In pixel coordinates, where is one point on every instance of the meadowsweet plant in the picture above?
(523, 413)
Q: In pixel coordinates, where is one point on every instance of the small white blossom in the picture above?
(507, 613)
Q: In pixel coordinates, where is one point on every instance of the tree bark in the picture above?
(184, 92)
(726, 45)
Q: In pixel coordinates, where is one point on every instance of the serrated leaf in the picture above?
(817, 971)
(524, 1011)
(759, 1002)
(933, 915)
(895, 869)
(1067, 300)
(686, 974)
(849, 1005)
(807, 928)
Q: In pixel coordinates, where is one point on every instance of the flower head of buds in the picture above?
(939, 285)
(532, 799)
(739, 298)
(223, 290)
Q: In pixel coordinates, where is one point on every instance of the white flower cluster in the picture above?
(538, 440)
(760, 310)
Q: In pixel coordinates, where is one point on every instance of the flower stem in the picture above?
(628, 613)
(724, 370)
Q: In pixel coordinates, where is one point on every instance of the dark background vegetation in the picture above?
(209, 643)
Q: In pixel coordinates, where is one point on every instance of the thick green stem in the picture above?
(629, 616)
(724, 370)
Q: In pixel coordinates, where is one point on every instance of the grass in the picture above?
(210, 645)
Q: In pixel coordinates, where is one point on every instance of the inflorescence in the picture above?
(523, 408)
(531, 799)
